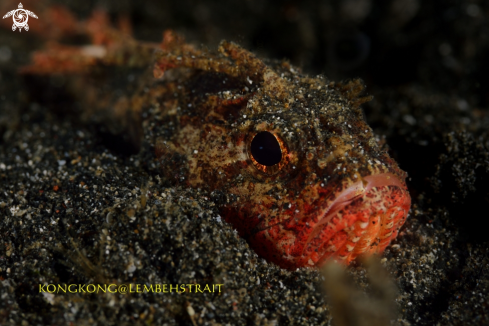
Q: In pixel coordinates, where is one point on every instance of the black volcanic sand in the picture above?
(76, 210)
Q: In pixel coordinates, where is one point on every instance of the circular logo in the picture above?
(20, 18)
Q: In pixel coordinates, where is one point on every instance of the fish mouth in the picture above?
(356, 215)
(357, 190)
(347, 196)
(363, 217)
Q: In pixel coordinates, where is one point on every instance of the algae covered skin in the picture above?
(292, 163)
(287, 158)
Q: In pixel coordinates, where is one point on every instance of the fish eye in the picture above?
(265, 149)
(268, 152)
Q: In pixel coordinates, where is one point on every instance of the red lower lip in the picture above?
(371, 212)
(361, 219)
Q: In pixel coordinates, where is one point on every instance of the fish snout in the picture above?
(361, 217)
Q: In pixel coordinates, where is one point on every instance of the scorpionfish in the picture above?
(288, 158)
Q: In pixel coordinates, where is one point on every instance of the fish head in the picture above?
(315, 183)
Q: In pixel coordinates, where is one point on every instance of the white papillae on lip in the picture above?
(355, 191)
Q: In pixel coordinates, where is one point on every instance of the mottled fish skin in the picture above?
(335, 192)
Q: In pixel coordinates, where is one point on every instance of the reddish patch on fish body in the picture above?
(316, 185)
(364, 224)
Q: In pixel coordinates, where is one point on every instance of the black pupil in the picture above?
(266, 149)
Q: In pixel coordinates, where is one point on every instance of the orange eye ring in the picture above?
(270, 169)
